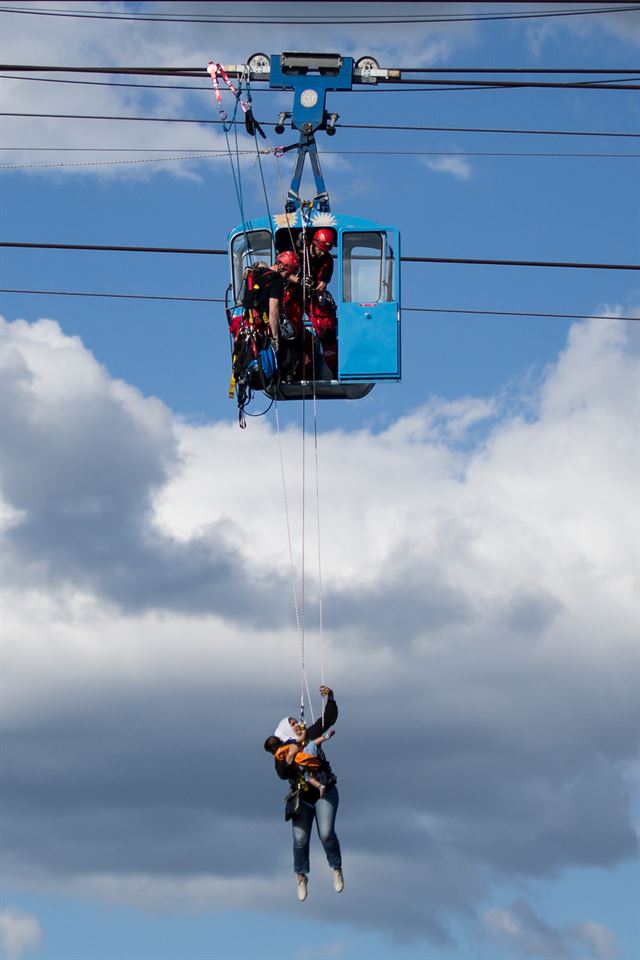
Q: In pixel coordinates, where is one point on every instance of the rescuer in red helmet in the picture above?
(263, 295)
(289, 260)
(322, 308)
(292, 346)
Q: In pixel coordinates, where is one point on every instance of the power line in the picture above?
(201, 72)
(212, 252)
(309, 20)
(452, 310)
(427, 82)
(339, 126)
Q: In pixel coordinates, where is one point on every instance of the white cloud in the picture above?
(625, 26)
(522, 931)
(479, 593)
(20, 933)
(595, 940)
(458, 167)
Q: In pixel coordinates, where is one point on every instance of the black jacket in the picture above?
(289, 771)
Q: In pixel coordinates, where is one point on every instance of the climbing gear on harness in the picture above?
(257, 280)
(255, 366)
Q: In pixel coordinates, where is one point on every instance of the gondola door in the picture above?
(369, 304)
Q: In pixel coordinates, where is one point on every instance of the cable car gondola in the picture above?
(366, 279)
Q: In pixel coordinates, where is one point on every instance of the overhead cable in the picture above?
(212, 252)
(452, 310)
(404, 86)
(270, 19)
(340, 126)
(201, 72)
(427, 82)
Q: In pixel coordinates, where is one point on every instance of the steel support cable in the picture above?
(628, 84)
(403, 259)
(405, 84)
(206, 121)
(451, 310)
(175, 86)
(166, 71)
(309, 20)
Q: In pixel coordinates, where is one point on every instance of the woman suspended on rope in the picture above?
(289, 741)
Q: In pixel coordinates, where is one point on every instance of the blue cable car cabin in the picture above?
(365, 287)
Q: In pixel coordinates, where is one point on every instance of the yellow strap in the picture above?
(232, 387)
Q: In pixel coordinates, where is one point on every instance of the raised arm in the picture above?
(330, 715)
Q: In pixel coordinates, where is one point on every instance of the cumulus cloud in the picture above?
(478, 594)
(458, 167)
(20, 933)
(625, 26)
(524, 933)
(85, 518)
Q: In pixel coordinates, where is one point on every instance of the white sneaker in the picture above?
(302, 887)
(338, 880)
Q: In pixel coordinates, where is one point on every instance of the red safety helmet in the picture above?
(289, 260)
(324, 239)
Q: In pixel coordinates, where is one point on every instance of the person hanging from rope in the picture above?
(289, 740)
(307, 759)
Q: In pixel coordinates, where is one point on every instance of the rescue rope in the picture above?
(318, 540)
(298, 608)
(215, 70)
(299, 604)
(320, 587)
(302, 552)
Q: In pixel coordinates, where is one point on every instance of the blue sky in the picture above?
(478, 518)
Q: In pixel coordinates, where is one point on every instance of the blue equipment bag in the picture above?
(262, 369)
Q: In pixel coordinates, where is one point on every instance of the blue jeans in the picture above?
(324, 813)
